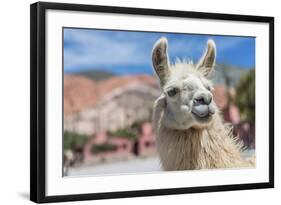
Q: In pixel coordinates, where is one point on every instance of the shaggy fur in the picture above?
(183, 141)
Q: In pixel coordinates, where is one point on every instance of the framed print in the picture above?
(129, 102)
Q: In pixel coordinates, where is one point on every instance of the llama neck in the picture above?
(211, 147)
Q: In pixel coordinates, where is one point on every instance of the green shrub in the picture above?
(72, 141)
(105, 147)
(125, 133)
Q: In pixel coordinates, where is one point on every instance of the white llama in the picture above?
(190, 131)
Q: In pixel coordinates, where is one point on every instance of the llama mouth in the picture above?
(202, 112)
(202, 117)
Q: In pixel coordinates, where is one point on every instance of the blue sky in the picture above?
(125, 52)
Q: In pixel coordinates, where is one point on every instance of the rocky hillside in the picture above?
(82, 92)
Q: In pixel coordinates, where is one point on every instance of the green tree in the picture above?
(245, 98)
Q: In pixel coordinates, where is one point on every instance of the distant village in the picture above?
(110, 119)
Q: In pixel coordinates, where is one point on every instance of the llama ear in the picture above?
(160, 60)
(207, 61)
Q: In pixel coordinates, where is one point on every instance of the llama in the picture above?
(190, 131)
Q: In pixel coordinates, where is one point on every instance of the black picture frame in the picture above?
(38, 101)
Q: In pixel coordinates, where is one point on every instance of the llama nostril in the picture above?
(203, 100)
(199, 101)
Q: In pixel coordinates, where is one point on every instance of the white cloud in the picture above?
(91, 48)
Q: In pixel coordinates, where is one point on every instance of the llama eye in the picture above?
(209, 88)
(172, 92)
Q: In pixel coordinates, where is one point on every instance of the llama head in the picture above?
(186, 88)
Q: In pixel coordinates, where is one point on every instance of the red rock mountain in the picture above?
(81, 92)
